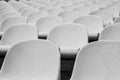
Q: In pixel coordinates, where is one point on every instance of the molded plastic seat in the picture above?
(19, 33)
(69, 16)
(34, 4)
(78, 4)
(68, 7)
(16, 34)
(25, 8)
(8, 15)
(93, 24)
(58, 5)
(70, 38)
(35, 16)
(98, 61)
(32, 60)
(46, 24)
(16, 4)
(55, 11)
(4, 11)
(110, 33)
(27, 12)
(111, 9)
(45, 8)
(10, 22)
(83, 11)
(106, 17)
(93, 7)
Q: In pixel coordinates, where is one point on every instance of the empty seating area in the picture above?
(60, 40)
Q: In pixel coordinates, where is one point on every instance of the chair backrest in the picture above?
(78, 4)
(7, 10)
(46, 24)
(35, 16)
(26, 13)
(98, 61)
(34, 4)
(83, 11)
(8, 15)
(69, 16)
(55, 11)
(69, 36)
(25, 8)
(16, 4)
(93, 24)
(68, 7)
(106, 17)
(45, 8)
(111, 32)
(32, 60)
(111, 9)
(93, 7)
(19, 33)
(10, 22)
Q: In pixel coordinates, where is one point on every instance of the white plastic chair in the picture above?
(25, 8)
(93, 7)
(68, 7)
(106, 17)
(78, 4)
(45, 8)
(98, 61)
(55, 11)
(11, 21)
(26, 13)
(93, 24)
(35, 16)
(35, 4)
(8, 15)
(16, 34)
(111, 9)
(83, 11)
(16, 4)
(58, 4)
(111, 32)
(7, 10)
(70, 38)
(69, 16)
(46, 24)
(32, 60)
(19, 33)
